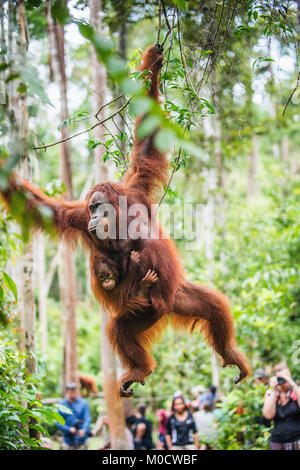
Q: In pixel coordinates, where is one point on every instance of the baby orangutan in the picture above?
(109, 277)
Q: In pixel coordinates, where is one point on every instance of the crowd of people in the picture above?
(191, 424)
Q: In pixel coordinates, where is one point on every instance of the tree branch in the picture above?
(86, 130)
(292, 94)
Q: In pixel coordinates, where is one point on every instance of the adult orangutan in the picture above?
(138, 313)
(87, 385)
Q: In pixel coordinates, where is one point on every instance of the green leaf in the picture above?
(3, 66)
(60, 12)
(86, 31)
(208, 105)
(180, 3)
(34, 84)
(116, 67)
(11, 285)
(164, 139)
(104, 48)
(140, 106)
(39, 428)
(22, 88)
(59, 418)
(147, 126)
(130, 87)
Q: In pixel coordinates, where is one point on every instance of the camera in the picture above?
(280, 380)
(78, 424)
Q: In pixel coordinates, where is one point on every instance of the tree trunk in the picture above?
(209, 224)
(51, 272)
(113, 400)
(56, 33)
(40, 264)
(212, 178)
(298, 18)
(27, 295)
(40, 276)
(22, 147)
(99, 86)
(2, 53)
(122, 46)
(114, 405)
(220, 224)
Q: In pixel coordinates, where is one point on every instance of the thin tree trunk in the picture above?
(122, 46)
(209, 224)
(114, 405)
(212, 177)
(113, 400)
(298, 17)
(41, 285)
(99, 86)
(87, 187)
(22, 146)
(11, 111)
(220, 224)
(50, 274)
(2, 53)
(25, 170)
(40, 276)
(70, 349)
(10, 53)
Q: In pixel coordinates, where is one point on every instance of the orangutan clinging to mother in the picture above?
(138, 314)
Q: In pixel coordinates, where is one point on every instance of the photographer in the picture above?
(77, 423)
(282, 404)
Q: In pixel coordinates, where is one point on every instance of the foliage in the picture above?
(20, 410)
(240, 422)
(9, 248)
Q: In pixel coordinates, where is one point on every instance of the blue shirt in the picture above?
(210, 397)
(79, 419)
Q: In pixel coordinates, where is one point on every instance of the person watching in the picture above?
(77, 423)
(181, 429)
(282, 405)
(142, 430)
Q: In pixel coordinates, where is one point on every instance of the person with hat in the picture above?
(282, 405)
(260, 376)
(76, 428)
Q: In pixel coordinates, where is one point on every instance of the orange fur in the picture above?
(87, 384)
(138, 318)
(149, 167)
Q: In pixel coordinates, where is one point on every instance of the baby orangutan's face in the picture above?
(106, 276)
